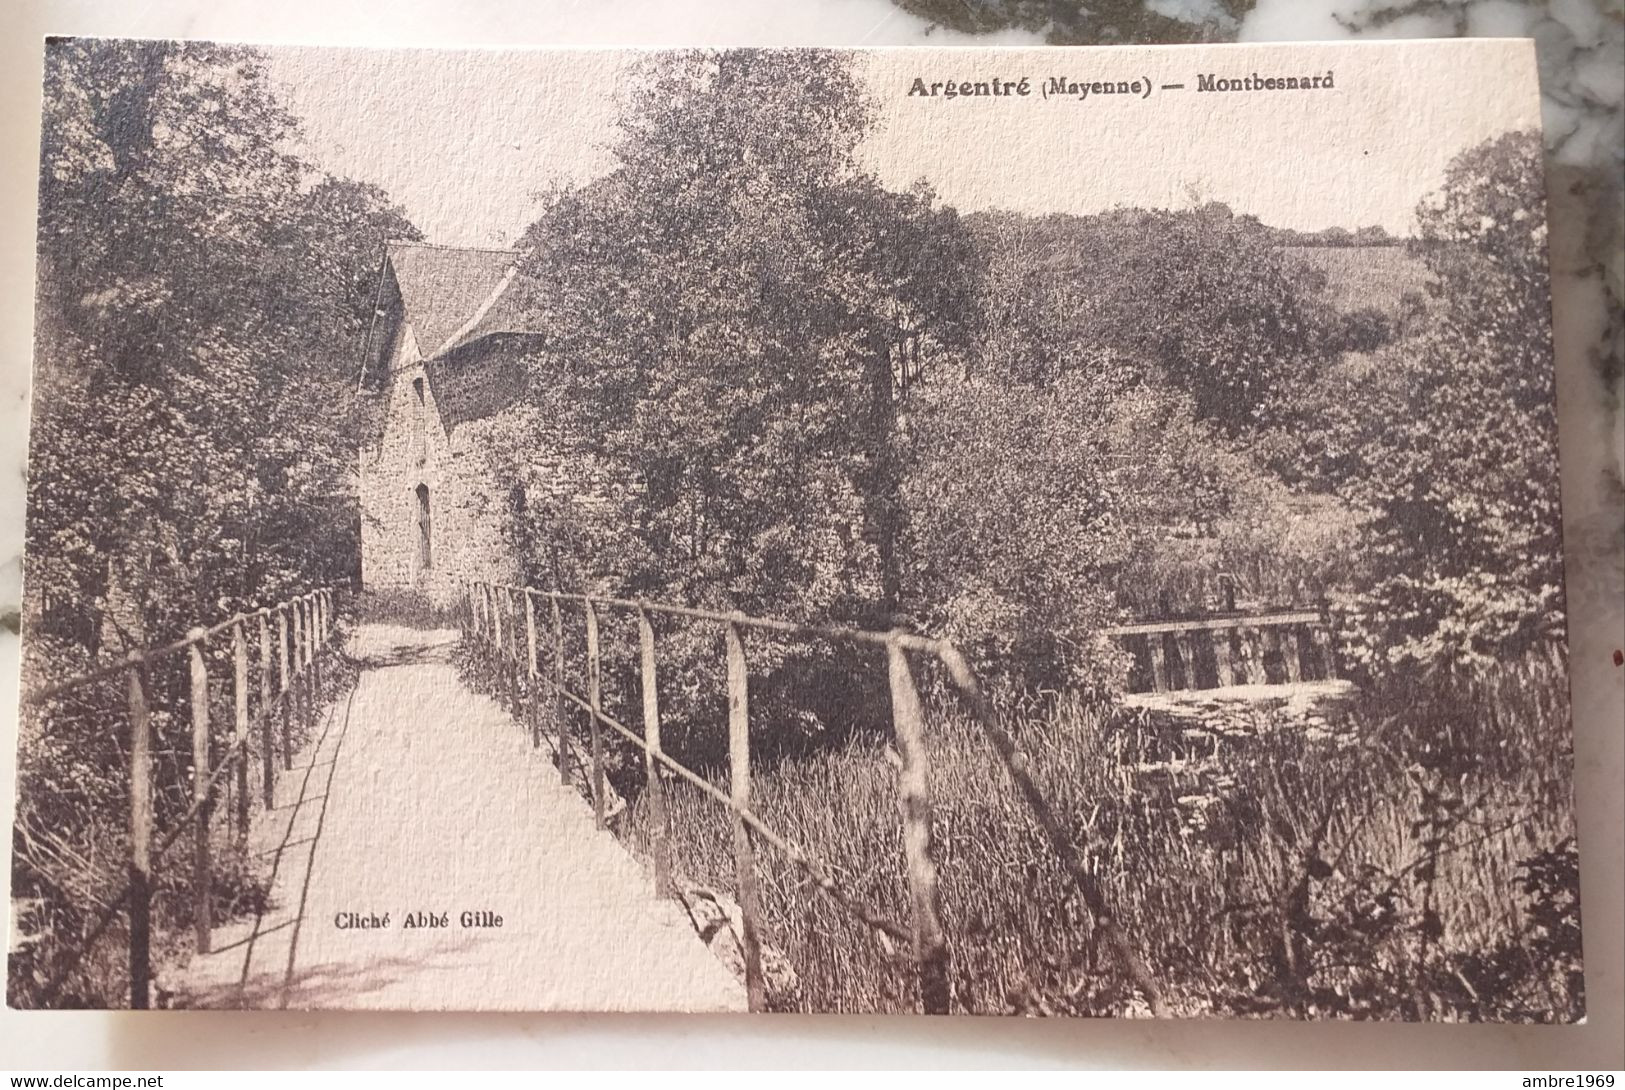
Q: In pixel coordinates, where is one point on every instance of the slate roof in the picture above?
(508, 313)
(444, 288)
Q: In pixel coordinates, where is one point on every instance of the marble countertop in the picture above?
(1582, 61)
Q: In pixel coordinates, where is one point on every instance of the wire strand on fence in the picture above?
(929, 947)
(134, 896)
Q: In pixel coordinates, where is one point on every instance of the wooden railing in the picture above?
(502, 622)
(1221, 651)
(291, 641)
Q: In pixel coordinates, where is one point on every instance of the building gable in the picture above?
(442, 289)
(451, 344)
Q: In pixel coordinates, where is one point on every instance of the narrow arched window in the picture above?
(420, 413)
(424, 554)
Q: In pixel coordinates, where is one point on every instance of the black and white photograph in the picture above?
(948, 531)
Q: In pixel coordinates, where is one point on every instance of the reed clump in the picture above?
(1417, 861)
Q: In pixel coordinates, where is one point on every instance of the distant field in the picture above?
(1366, 276)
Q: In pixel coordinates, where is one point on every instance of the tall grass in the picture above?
(1418, 862)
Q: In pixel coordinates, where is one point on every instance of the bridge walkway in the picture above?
(421, 797)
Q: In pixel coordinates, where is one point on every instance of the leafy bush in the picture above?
(1448, 436)
(1200, 300)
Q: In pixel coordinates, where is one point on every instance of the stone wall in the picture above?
(466, 507)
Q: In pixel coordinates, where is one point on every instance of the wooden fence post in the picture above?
(316, 642)
(510, 656)
(739, 791)
(534, 706)
(239, 684)
(285, 695)
(296, 619)
(510, 615)
(500, 654)
(499, 643)
(488, 604)
(914, 802)
(558, 692)
(308, 626)
(1290, 652)
(660, 831)
(482, 625)
(1250, 664)
(1221, 657)
(300, 675)
(306, 693)
(140, 834)
(595, 698)
(1159, 662)
(493, 650)
(267, 753)
(1187, 659)
(1271, 644)
(202, 881)
(1321, 637)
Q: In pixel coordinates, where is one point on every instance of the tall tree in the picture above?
(1203, 299)
(198, 304)
(733, 304)
(1450, 434)
(200, 293)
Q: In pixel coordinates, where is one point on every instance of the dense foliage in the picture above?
(1449, 436)
(803, 394)
(1200, 299)
(731, 311)
(1039, 515)
(202, 292)
(728, 307)
(202, 295)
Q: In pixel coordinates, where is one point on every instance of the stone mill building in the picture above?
(444, 360)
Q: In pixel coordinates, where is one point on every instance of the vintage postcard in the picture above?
(958, 531)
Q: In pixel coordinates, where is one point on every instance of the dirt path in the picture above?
(421, 797)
